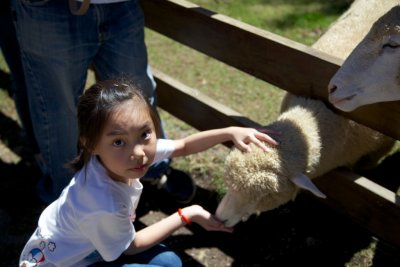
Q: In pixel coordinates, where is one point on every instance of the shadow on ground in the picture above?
(301, 233)
(304, 232)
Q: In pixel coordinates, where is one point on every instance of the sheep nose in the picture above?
(331, 88)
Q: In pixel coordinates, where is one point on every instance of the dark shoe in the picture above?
(179, 184)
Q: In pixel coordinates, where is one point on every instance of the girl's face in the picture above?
(127, 144)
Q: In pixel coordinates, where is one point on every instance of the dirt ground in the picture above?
(304, 232)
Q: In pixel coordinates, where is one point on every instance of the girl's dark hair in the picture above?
(95, 107)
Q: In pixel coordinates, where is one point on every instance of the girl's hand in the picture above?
(205, 219)
(242, 137)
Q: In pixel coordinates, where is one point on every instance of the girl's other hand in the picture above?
(205, 219)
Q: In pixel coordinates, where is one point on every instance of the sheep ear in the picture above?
(304, 182)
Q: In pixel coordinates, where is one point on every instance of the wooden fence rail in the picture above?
(288, 65)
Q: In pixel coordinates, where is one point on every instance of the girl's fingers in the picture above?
(226, 229)
(219, 226)
(260, 144)
(258, 137)
(266, 138)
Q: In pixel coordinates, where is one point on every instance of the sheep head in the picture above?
(370, 74)
(256, 183)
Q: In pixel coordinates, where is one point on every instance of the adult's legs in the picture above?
(10, 48)
(56, 50)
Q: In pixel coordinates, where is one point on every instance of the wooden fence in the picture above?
(291, 66)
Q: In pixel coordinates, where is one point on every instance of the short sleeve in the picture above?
(164, 149)
(109, 233)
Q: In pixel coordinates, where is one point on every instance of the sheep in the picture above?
(370, 74)
(314, 141)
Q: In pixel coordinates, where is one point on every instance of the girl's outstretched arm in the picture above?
(240, 136)
(156, 233)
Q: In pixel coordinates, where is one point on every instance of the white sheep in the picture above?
(314, 141)
(371, 72)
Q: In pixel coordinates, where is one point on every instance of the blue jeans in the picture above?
(57, 49)
(10, 48)
(158, 255)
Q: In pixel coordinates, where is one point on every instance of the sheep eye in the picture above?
(391, 45)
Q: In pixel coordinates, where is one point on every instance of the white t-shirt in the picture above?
(93, 213)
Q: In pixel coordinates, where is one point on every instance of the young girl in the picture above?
(91, 223)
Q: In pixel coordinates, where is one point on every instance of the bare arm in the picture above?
(156, 233)
(241, 137)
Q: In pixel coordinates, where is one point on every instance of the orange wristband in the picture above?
(184, 218)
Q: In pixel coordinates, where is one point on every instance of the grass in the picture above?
(301, 21)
